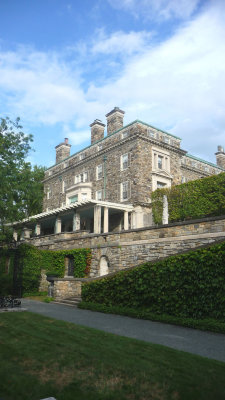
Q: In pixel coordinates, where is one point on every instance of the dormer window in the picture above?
(124, 135)
(151, 133)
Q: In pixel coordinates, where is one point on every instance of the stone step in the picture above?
(73, 301)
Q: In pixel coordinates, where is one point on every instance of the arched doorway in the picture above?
(104, 266)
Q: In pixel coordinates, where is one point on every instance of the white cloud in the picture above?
(176, 85)
(157, 9)
(121, 42)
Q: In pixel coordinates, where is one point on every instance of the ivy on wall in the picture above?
(188, 285)
(30, 262)
(196, 199)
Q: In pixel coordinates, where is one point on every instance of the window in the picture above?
(73, 199)
(160, 185)
(83, 196)
(160, 162)
(193, 163)
(166, 139)
(66, 164)
(124, 190)
(99, 172)
(99, 147)
(206, 169)
(124, 161)
(82, 156)
(99, 195)
(183, 179)
(151, 133)
(49, 193)
(63, 186)
(83, 177)
(124, 135)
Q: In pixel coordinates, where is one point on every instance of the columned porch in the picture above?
(91, 216)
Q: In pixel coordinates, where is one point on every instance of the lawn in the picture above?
(43, 357)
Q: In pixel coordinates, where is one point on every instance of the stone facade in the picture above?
(124, 167)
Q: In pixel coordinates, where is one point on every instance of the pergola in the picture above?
(93, 216)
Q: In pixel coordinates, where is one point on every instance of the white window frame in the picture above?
(124, 135)
(99, 172)
(82, 156)
(164, 156)
(124, 161)
(83, 196)
(151, 133)
(49, 193)
(122, 191)
(98, 194)
(161, 185)
(82, 177)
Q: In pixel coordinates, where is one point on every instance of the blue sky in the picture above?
(65, 63)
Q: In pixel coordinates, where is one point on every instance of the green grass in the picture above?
(206, 324)
(43, 357)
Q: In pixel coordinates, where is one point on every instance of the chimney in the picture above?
(97, 131)
(62, 151)
(114, 120)
(220, 157)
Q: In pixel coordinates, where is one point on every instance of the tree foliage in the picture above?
(21, 190)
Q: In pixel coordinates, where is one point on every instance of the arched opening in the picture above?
(104, 266)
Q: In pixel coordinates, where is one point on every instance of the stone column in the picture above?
(76, 221)
(38, 229)
(26, 233)
(125, 220)
(58, 225)
(15, 235)
(106, 220)
(97, 219)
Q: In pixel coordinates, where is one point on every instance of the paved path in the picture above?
(206, 344)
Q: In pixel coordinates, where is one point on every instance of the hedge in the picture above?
(196, 199)
(191, 285)
(30, 261)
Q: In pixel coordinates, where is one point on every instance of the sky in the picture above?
(65, 63)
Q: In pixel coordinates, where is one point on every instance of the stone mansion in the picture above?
(107, 186)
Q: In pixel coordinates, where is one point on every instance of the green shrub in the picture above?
(189, 285)
(30, 261)
(195, 199)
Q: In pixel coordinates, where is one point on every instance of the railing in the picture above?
(9, 302)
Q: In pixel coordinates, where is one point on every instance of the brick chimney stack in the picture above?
(97, 131)
(220, 157)
(62, 150)
(114, 120)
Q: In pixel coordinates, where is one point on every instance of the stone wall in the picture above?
(67, 288)
(128, 248)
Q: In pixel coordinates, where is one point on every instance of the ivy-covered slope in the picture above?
(30, 261)
(188, 285)
(196, 199)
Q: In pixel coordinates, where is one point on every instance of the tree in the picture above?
(21, 190)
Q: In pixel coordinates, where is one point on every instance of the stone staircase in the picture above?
(72, 301)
